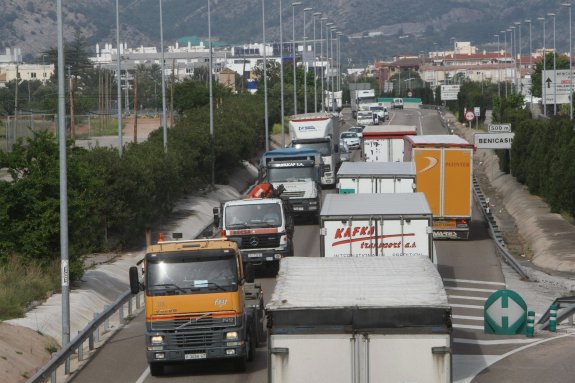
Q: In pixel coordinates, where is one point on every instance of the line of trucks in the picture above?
(370, 307)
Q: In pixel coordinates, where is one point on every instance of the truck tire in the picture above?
(272, 268)
(156, 369)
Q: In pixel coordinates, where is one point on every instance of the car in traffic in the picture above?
(344, 152)
(381, 112)
(351, 139)
(357, 129)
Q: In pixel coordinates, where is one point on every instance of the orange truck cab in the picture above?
(444, 172)
(200, 303)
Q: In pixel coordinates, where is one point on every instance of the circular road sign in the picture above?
(409, 94)
(469, 115)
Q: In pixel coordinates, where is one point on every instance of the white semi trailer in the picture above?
(359, 320)
(376, 177)
(385, 143)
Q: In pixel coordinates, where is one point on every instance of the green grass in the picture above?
(22, 283)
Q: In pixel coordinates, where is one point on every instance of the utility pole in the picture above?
(71, 92)
(136, 105)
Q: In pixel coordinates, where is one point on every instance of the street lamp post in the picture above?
(332, 31)
(505, 50)
(530, 58)
(554, 67)
(513, 53)
(498, 69)
(163, 69)
(315, 16)
(328, 27)
(544, 69)
(213, 143)
(266, 127)
(323, 65)
(304, 62)
(518, 24)
(119, 83)
(282, 77)
(339, 34)
(568, 5)
(294, 4)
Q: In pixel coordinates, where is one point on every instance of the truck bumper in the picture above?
(305, 206)
(262, 256)
(328, 178)
(451, 228)
(173, 353)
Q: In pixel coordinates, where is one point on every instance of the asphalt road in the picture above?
(470, 269)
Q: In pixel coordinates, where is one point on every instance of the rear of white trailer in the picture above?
(363, 225)
(376, 177)
(359, 320)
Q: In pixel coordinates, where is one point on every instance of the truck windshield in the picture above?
(253, 215)
(364, 115)
(324, 148)
(290, 174)
(177, 274)
(366, 100)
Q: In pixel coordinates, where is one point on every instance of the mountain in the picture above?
(373, 29)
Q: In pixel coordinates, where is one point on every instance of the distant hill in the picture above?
(378, 28)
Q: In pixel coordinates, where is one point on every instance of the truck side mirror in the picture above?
(134, 280)
(216, 212)
(249, 273)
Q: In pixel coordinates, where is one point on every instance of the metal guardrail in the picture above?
(494, 231)
(565, 310)
(91, 334)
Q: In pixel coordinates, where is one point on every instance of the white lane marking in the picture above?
(519, 349)
(483, 342)
(467, 317)
(464, 297)
(144, 376)
(467, 326)
(476, 307)
(473, 281)
(469, 289)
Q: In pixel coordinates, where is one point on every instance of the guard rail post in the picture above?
(530, 324)
(107, 321)
(97, 331)
(80, 351)
(553, 318)
(130, 304)
(121, 314)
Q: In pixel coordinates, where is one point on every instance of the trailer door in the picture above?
(313, 358)
(428, 162)
(422, 358)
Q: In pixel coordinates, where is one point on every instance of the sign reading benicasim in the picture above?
(493, 140)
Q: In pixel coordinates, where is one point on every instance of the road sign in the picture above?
(449, 92)
(469, 115)
(409, 94)
(477, 111)
(505, 313)
(493, 140)
(499, 128)
(556, 86)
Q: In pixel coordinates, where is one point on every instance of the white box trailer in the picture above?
(359, 320)
(360, 225)
(376, 177)
(384, 143)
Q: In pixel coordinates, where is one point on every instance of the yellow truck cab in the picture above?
(200, 303)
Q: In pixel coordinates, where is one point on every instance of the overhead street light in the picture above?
(266, 127)
(303, 60)
(294, 4)
(554, 67)
(544, 68)
(323, 64)
(498, 68)
(316, 15)
(213, 143)
(282, 77)
(528, 21)
(163, 69)
(568, 5)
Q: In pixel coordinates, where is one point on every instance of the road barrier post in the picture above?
(553, 318)
(530, 323)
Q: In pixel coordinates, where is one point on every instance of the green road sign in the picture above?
(505, 313)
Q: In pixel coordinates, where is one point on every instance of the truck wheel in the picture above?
(273, 267)
(156, 369)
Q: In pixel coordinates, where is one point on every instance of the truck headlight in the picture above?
(232, 335)
(157, 339)
(283, 240)
(313, 202)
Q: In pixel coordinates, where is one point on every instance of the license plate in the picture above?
(298, 207)
(254, 255)
(195, 356)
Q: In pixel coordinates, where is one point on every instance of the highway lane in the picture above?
(470, 270)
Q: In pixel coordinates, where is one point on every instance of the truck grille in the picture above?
(260, 241)
(195, 339)
(207, 322)
(294, 194)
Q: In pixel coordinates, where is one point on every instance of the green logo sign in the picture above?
(505, 313)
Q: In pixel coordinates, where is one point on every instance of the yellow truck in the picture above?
(200, 303)
(444, 172)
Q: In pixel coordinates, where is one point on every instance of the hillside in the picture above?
(374, 25)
